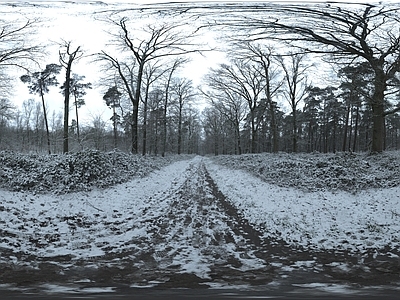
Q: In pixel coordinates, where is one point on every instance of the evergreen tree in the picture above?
(77, 90)
(112, 98)
(39, 83)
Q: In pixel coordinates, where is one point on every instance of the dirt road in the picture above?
(188, 235)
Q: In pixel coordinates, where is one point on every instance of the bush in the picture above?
(312, 172)
(79, 171)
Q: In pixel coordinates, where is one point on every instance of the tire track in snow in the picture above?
(198, 239)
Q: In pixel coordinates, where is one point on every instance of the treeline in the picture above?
(24, 131)
(266, 103)
(271, 95)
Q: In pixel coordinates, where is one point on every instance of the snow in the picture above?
(172, 219)
(57, 289)
(321, 220)
(84, 220)
(335, 288)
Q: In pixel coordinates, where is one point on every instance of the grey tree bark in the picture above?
(67, 58)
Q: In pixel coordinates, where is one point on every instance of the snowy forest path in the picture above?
(171, 229)
(200, 238)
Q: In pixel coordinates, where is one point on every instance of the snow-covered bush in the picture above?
(90, 166)
(316, 171)
(79, 171)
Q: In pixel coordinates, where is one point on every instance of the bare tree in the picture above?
(156, 100)
(97, 132)
(5, 84)
(15, 48)
(264, 55)
(356, 86)
(213, 125)
(366, 32)
(295, 79)
(160, 41)
(6, 109)
(184, 93)
(123, 78)
(193, 130)
(229, 105)
(38, 126)
(246, 81)
(170, 72)
(67, 58)
(28, 107)
(7, 113)
(152, 73)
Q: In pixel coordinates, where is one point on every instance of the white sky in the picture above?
(222, 1)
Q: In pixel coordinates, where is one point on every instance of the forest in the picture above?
(297, 78)
(210, 149)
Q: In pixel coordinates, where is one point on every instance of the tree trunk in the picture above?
(309, 137)
(135, 109)
(274, 128)
(350, 131)
(346, 127)
(237, 132)
(165, 110)
(294, 138)
(180, 127)
(378, 116)
(115, 127)
(46, 122)
(356, 128)
(77, 123)
(66, 106)
(166, 99)
(156, 131)
(253, 134)
(384, 134)
(164, 136)
(335, 123)
(146, 96)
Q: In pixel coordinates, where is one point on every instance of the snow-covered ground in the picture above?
(369, 219)
(82, 224)
(199, 216)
